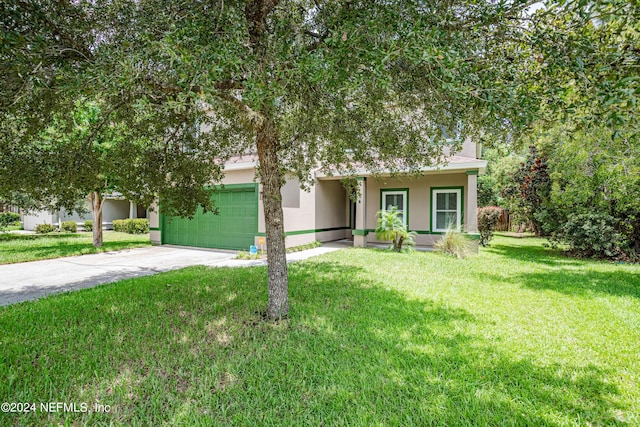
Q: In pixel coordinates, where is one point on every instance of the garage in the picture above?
(235, 226)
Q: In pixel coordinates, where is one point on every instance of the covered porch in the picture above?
(430, 204)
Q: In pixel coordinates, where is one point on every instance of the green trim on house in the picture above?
(432, 206)
(317, 230)
(406, 213)
(357, 232)
(474, 236)
(299, 232)
(361, 178)
(233, 187)
(472, 172)
(154, 229)
(442, 232)
(421, 231)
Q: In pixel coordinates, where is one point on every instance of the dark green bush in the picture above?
(131, 226)
(69, 226)
(7, 219)
(45, 228)
(592, 235)
(88, 225)
(138, 226)
(487, 220)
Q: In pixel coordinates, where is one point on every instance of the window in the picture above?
(397, 198)
(446, 206)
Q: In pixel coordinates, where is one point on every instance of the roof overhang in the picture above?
(456, 164)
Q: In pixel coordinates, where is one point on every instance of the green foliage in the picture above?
(529, 189)
(590, 51)
(7, 219)
(131, 226)
(312, 245)
(138, 226)
(456, 244)
(88, 225)
(502, 164)
(488, 217)
(119, 225)
(596, 174)
(592, 235)
(70, 226)
(390, 227)
(45, 228)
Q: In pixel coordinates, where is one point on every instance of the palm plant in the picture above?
(390, 227)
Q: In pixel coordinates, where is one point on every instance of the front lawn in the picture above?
(33, 247)
(516, 336)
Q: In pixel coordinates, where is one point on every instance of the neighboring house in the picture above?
(115, 207)
(444, 195)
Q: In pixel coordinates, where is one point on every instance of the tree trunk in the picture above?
(267, 144)
(96, 200)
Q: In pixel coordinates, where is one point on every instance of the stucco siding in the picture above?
(419, 190)
(331, 208)
(303, 217)
(239, 176)
(29, 222)
(115, 209)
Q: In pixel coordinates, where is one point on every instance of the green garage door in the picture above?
(233, 228)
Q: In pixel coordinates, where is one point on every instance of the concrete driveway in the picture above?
(31, 280)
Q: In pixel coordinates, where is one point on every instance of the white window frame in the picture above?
(434, 208)
(405, 193)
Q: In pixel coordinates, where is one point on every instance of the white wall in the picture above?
(30, 221)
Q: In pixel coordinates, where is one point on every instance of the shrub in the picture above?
(390, 227)
(88, 225)
(592, 235)
(8, 218)
(137, 226)
(456, 244)
(45, 228)
(487, 220)
(69, 226)
(119, 225)
(131, 226)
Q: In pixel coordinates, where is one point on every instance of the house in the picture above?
(444, 195)
(115, 207)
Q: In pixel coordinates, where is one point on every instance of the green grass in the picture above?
(32, 247)
(518, 335)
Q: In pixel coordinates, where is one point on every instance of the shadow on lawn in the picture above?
(583, 283)
(572, 281)
(188, 347)
(537, 254)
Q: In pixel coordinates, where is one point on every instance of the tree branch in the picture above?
(251, 115)
(105, 120)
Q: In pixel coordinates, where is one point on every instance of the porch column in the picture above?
(133, 210)
(154, 224)
(360, 233)
(471, 203)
